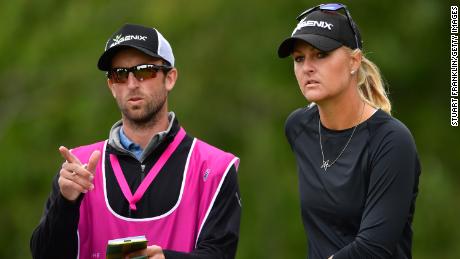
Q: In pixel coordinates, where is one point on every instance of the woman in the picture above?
(358, 166)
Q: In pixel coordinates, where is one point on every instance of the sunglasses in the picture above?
(140, 72)
(335, 7)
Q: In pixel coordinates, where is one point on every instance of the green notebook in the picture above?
(118, 248)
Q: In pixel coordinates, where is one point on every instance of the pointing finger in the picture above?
(68, 156)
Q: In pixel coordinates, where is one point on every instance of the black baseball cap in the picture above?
(324, 30)
(145, 39)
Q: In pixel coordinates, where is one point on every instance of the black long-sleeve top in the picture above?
(56, 235)
(363, 205)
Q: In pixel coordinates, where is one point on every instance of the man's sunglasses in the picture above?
(140, 72)
(335, 7)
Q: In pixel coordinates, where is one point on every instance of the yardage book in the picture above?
(118, 248)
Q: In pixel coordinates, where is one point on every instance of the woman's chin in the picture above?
(311, 97)
(312, 94)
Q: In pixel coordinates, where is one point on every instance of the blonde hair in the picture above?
(371, 87)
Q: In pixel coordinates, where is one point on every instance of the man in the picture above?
(149, 178)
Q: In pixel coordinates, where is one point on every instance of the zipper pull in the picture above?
(143, 172)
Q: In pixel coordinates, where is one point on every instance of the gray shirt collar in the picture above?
(114, 138)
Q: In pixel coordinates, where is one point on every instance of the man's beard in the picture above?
(148, 114)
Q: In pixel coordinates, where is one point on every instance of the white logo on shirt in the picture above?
(238, 199)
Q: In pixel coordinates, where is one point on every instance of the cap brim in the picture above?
(320, 42)
(105, 61)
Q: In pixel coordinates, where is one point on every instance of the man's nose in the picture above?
(132, 81)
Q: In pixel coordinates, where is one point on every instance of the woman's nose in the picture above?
(308, 66)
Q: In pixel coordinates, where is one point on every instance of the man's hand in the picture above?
(75, 178)
(152, 252)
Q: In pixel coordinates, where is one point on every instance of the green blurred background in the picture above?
(232, 91)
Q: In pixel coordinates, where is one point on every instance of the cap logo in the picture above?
(310, 23)
(119, 39)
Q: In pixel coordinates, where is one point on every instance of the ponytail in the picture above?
(371, 86)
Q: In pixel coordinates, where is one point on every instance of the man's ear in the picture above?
(170, 79)
(111, 86)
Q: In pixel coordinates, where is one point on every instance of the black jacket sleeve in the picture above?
(390, 198)
(219, 236)
(56, 235)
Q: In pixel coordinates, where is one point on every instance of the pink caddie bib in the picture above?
(179, 228)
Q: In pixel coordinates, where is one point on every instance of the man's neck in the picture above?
(142, 134)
